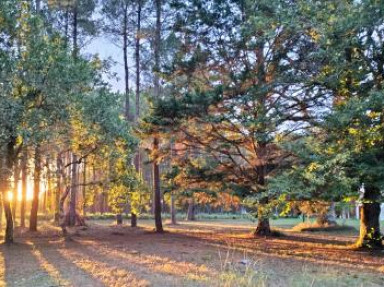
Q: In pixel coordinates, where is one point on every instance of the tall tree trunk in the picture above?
(74, 189)
(137, 114)
(36, 190)
(156, 168)
(126, 68)
(24, 172)
(137, 58)
(157, 190)
(370, 236)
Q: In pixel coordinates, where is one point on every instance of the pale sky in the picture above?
(105, 49)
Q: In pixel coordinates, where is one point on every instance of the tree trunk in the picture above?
(62, 216)
(137, 59)
(119, 219)
(133, 219)
(58, 188)
(263, 228)
(36, 190)
(24, 172)
(370, 236)
(1, 208)
(9, 220)
(156, 188)
(191, 210)
(156, 168)
(6, 166)
(84, 187)
(173, 209)
(75, 31)
(74, 188)
(126, 68)
(50, 193)
(15, 189)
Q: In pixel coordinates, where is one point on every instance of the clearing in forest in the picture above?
(209, 253)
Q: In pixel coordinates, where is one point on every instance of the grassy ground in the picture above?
(203, 253)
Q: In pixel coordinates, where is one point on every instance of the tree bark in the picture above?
(137, 58)
(9, 220)
(263, 228)
(75, 31)
(5, 184)
(370, 236)
(62, 216)
(191, 210)
(58, 188)
(173, 209)
(156, 188)
(119, 219)
(156, 168)
(74, 189)
(36, 190)
(137, 159)
(84, 186)
(24, 172)
(133, 219)
(126, 68)
(1, 208)
(15, 189)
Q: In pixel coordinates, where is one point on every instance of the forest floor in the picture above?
(203, 253)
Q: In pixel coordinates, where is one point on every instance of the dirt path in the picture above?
(188, 255)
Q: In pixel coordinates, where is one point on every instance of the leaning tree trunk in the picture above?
(36, 190)
(370, 236)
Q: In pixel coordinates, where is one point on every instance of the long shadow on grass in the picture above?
(153, 268)
(22, 268)
(68, 271)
